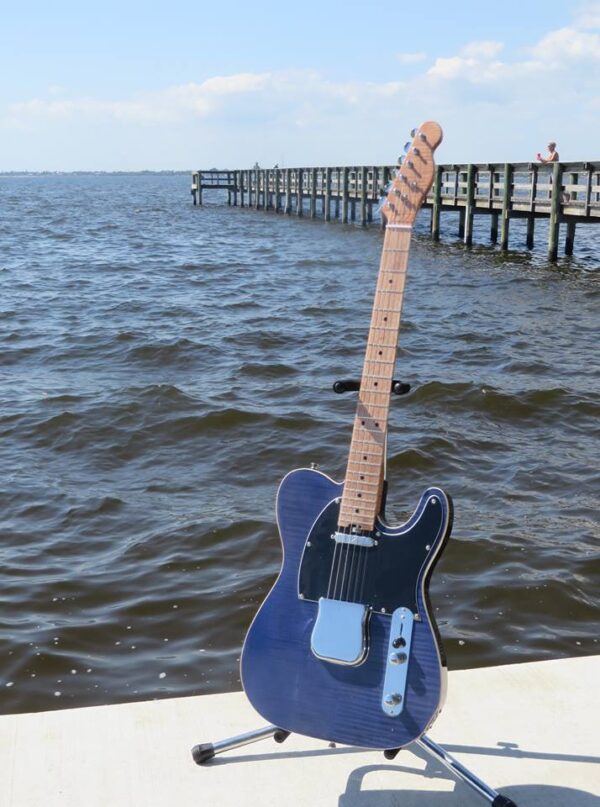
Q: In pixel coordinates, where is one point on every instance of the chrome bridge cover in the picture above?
(340, 632)
(398, 658)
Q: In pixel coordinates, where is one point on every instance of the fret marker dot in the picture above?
(364, 458)
(362, 477)
(359, 495)
(381, 352)
(385, 318)
(357, 511)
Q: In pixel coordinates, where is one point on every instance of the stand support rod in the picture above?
(462, 773)
(206, 751)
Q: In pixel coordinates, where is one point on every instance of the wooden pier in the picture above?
(503, 192)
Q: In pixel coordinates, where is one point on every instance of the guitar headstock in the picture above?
(415, 176)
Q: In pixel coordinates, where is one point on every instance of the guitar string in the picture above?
(336, 553)
(329, 592)
(346, 553)
(358, 571)
(351, 573)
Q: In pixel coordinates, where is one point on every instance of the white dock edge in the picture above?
(531, 731)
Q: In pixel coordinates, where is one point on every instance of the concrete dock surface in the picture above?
(531, 731)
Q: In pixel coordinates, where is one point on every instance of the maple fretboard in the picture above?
(361, 501)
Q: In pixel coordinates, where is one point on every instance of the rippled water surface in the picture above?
(163, 366)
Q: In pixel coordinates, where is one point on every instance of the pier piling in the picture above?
(469, 209)
(507, 175)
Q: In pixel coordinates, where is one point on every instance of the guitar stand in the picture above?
(204, 752)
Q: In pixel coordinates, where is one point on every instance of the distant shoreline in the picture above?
(91, 173)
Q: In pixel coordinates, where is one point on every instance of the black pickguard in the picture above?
(385, 576)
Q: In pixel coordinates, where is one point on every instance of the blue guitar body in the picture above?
(298, 691)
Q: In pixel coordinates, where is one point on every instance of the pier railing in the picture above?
(560, 192)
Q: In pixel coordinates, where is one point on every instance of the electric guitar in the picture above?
(345, 647)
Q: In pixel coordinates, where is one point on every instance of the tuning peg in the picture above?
(400, 159)
(407, 146)
(413, 132)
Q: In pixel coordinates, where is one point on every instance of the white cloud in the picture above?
(162, 106)
(484, 50)
(475, 62)
(215, 96)
(588, 15)
(411, 58)
(567, 44)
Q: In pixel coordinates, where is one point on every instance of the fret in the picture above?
(364, 473)
(359, 490)
(377, 377)
(378, 344)
(364, 462)
(393, 249)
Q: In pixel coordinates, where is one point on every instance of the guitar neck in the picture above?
(361, 500)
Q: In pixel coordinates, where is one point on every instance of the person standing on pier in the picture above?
(552, 154)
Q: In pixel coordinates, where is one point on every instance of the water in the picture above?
(163, 367)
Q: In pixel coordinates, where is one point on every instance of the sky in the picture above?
(135, 85)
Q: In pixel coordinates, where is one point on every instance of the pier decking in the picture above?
(529, 730)
(503, 192)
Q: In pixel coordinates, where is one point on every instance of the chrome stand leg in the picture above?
(459, 770)
(206, 751)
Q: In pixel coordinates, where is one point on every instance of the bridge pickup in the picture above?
(340, 632)
(398, 658)
(353, 540)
